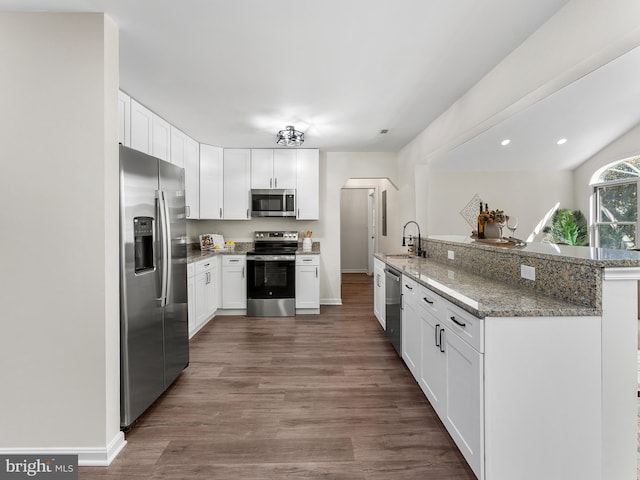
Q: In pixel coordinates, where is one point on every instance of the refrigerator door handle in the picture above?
(166, 254)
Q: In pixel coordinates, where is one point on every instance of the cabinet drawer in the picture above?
(428, 300)
(302, 260)
(205, 265)
(233, 260)
(465, 325)
(191, 269)
(409, 286)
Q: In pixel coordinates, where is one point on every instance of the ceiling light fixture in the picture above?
(290, 137)
(505, 142)
(562, 141)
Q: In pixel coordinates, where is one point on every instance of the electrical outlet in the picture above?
(528, 272)
(451, 254)
(451, 275)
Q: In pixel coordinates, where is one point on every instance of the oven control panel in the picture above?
(276, 235)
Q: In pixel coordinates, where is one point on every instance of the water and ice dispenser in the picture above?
(143, 244)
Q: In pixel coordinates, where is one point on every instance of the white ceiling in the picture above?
(590, 113)
(233, 72)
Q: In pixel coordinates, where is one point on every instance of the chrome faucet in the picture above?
(404, 237)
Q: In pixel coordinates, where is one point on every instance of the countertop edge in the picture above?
(561, 309)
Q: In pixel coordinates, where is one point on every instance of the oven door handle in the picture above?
(270, 258)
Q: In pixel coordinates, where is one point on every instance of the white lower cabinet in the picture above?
(203, 298)
(442, 346)
(191, 297)
(379, 294)
(432, 372)
(411, 326)
(234, 282)
(307, 284)
(464, 398)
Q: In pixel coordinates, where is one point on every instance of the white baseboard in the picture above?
(87, 457)
(330, 301)
(355, 270)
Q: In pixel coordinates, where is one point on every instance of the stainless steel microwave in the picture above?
(273, 203)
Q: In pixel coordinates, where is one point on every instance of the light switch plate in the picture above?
(528, 272)
(451, 254)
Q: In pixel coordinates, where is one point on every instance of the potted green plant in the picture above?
(568, 227)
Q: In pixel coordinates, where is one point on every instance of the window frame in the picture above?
(596, 223)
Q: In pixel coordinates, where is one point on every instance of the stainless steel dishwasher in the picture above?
(393, 295)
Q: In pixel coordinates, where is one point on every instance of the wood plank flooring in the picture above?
(310, 397)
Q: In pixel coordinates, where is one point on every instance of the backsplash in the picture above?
(572, 281)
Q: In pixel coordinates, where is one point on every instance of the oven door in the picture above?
(271, 285)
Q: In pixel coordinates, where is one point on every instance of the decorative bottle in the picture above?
(480, 223)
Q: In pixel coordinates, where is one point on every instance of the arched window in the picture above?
(616, 204)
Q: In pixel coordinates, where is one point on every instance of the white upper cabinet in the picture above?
(308, 184)
(141, 127)
(237, 184)
(273, 168)
(262, 168)
(161, 135)
(211, 182)
(178, 140)
(284, 168)
(185, 154)
(124, 119)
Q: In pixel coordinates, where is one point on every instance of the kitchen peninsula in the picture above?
(528, 355)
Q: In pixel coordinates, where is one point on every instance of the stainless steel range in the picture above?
(271, 274)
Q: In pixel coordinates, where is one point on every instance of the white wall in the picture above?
(527, 195)
(354, 238)
(59, 333)
(335, 169)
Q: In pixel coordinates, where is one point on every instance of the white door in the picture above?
(371, 227)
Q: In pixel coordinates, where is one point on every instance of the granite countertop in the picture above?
(194, 254)
(481, 296)
(600, 257)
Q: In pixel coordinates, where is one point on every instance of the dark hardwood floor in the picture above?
(310, 397)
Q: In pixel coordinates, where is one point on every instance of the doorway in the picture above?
(357, 229)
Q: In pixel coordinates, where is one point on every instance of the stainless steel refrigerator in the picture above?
(154, 326)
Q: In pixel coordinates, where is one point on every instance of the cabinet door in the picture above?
(192, 177)
(307, 283)
(141, 127)
(201, 292)
(237, 184)
(308, 184)
(411, 335)
(464, 398)
(379, 292)
(178, 140)
(262, 168)
(124, 119)
(161, 134)
(211, 304)
(234, 282)
(432, 371)
(284, 168)
(191, 304)
(211, 182)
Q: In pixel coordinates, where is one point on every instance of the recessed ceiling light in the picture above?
(562, 141)
(505, 142)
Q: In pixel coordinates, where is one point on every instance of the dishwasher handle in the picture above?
(392, 274)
